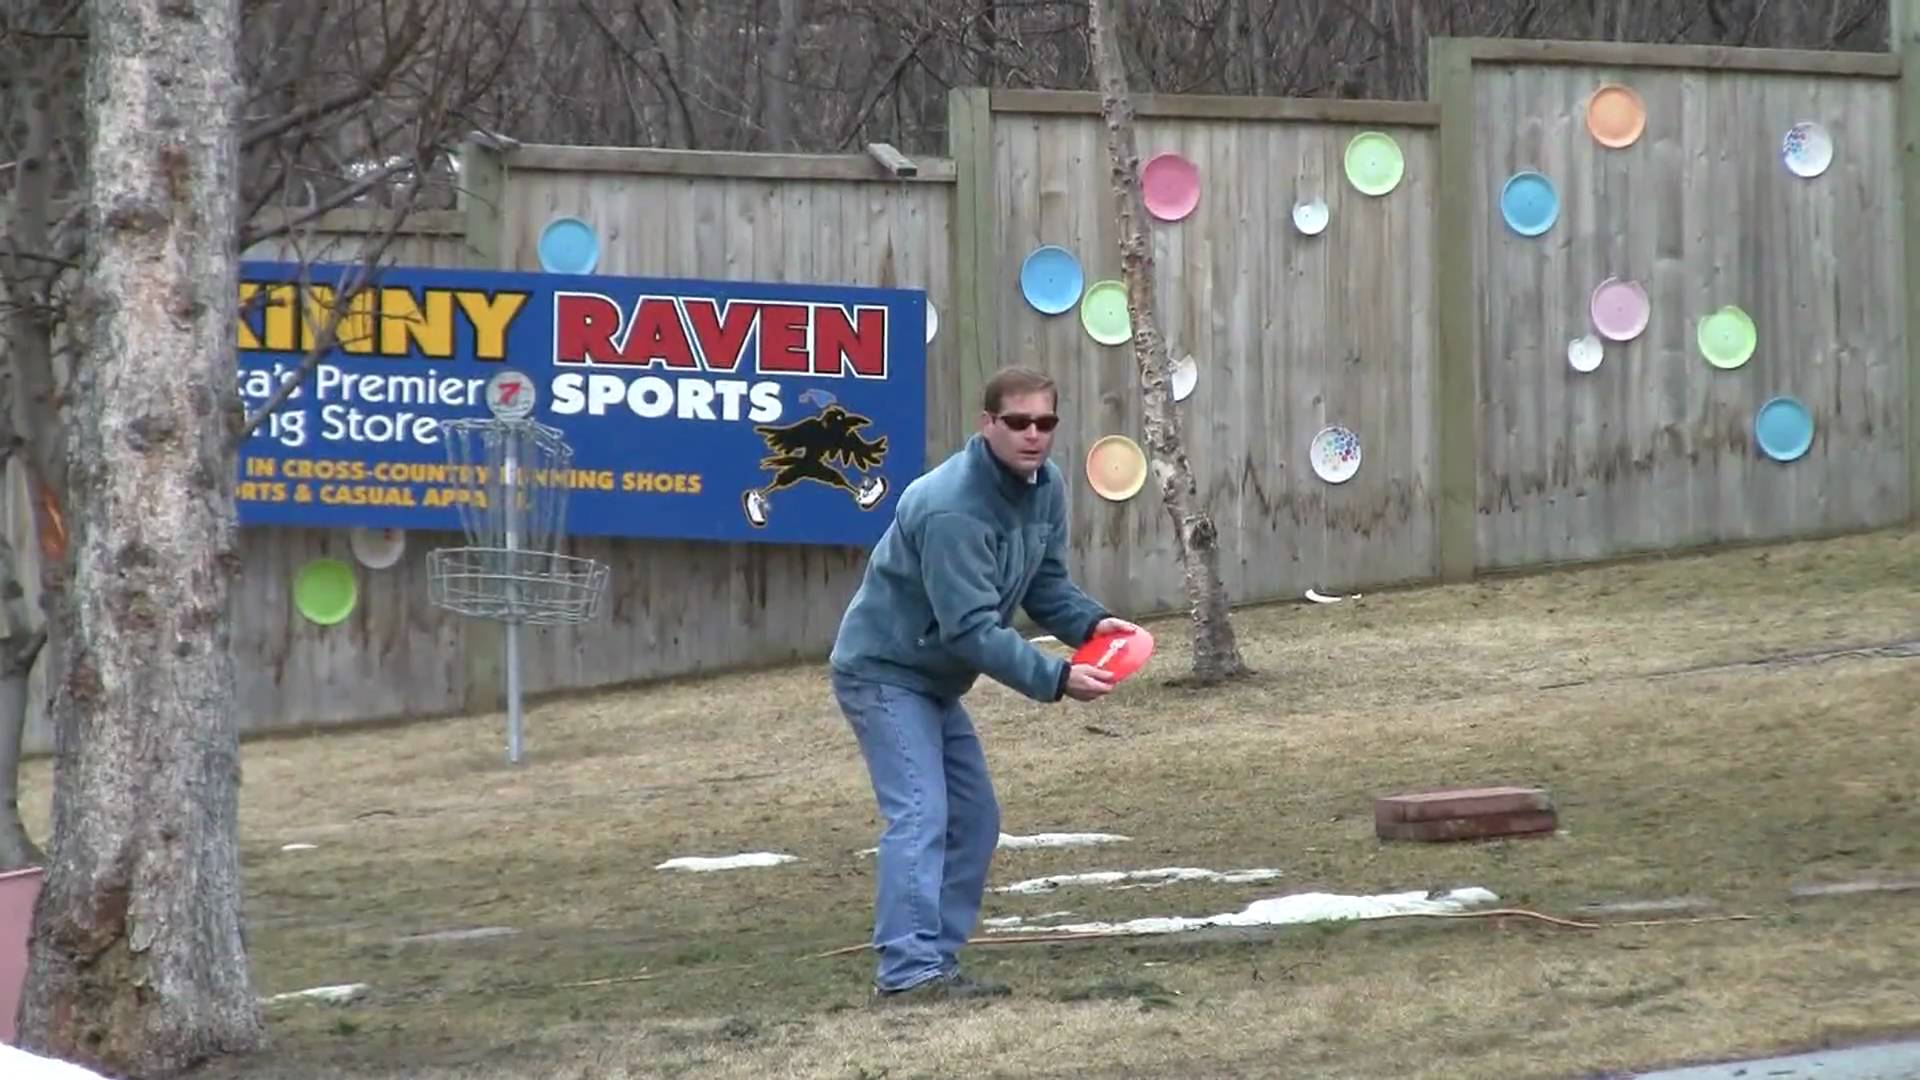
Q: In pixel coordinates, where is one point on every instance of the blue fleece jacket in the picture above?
(971, 542)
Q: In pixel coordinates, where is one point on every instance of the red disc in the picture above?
(1117, 654)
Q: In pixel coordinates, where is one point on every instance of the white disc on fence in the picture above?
(1335, 454)
(377, 549)
(1807, 149)
(1186, 375)
(1311, 217)
(1585, 353)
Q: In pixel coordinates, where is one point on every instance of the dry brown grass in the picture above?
(1679, 767)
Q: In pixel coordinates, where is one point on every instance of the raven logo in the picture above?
(811, 449)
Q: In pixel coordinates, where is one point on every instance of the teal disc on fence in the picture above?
(1529, 203)
(1051, 279)
(569, 246)
(1784, 429)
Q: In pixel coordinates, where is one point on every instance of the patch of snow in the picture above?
(329, 995)
(18, 1064)
(1165, 875)
(1016, 920)
(701, 863)
(459, 935)
(1849, 888)
(1300, 908)
(1009, 842)
(1061, 839)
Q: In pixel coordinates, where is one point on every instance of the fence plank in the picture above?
(649, 161)
(1455, 424)
(483, 195)
(1904, 18)
(970, 141)
(1225, 107)
(1833, 63)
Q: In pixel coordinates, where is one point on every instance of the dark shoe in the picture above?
(949, 987)
(967, 986)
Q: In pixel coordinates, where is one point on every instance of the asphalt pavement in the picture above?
(1879, 1061)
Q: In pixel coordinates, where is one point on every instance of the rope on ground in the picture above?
(644, 975)
(1028, 939)
(1057, 936)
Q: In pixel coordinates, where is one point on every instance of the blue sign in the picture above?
(703, 410)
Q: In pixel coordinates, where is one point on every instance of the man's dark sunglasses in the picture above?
(1019, 422)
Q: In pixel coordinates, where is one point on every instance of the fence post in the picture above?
(483, 193)
(1456, 414)
(975, 253)
(483, 189)
(1903, 26)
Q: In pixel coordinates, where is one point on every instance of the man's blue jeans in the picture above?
(931, 784)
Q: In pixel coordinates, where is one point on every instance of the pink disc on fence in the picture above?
(1170, 186)
(1619, 309)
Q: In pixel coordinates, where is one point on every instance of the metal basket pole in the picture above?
(513, 569)
(509, 477)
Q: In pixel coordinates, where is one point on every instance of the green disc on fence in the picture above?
(1374, 163)
(1727, 337)
(324, 591)
(1103, 312)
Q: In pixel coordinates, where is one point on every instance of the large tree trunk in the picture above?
(139, 963)
(1216, 655)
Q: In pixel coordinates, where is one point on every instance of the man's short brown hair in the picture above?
(1014, 381)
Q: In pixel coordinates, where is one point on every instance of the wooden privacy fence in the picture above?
(1419, 319)
(1423, 322)
(1655, 450)
(1289, 333)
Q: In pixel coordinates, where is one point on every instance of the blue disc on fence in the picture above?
(1050, 279)
(1784, 429)
(1529, 203)
(568, 246)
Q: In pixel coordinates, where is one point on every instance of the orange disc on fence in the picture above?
(1116, 468)
(1615, 115)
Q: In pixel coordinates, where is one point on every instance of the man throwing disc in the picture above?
(978, 537)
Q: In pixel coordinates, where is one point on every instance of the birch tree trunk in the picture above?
(1216, 655)
(138, 960)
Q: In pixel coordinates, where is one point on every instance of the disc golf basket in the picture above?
(514, 514)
